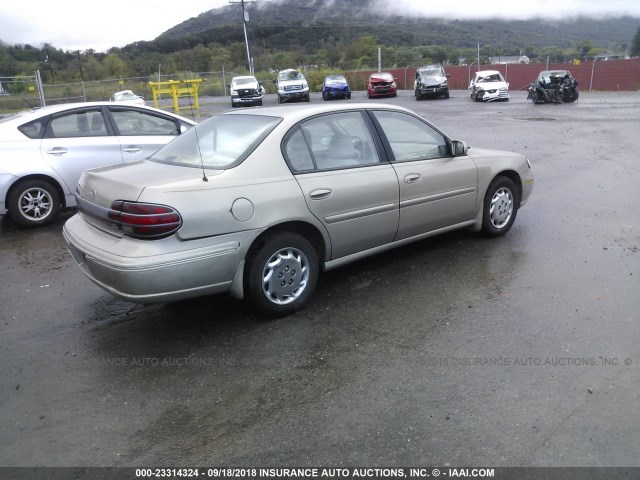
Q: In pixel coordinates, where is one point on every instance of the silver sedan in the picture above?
(257, 203)
(44, 151)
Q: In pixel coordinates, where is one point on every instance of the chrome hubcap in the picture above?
(501, 207)
(285, 276)
(36, 204)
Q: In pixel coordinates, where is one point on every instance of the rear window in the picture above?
(220, 142)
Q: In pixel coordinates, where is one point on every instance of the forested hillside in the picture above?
(333, 34)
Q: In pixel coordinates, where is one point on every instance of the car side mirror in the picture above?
(275, 81)
(459, 148)
(261, 83)
(507, 84)
(447, 75)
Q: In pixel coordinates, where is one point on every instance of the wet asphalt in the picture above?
(517, 351)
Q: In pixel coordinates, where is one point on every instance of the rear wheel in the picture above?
(34, 202)
(500, 207)
(281, 273)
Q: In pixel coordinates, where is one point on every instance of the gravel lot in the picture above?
(459, 350)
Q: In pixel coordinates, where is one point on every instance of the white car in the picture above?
(44, 151)
(246, 90)
(489, 86)
(127, 96)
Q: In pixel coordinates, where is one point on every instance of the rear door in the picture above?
(347, 184)
(77, 140)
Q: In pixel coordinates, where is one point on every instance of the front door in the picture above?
(437, 190)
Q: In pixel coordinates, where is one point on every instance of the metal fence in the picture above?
(23, 91)
(17, 93)
(613, 75)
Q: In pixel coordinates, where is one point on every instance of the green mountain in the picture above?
(308, 25)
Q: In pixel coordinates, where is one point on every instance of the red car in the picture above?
(382, 85)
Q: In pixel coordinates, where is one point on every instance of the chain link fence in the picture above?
(18, 93)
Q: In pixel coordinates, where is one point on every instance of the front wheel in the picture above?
(281, 273)
(33, 203)
(500, 207)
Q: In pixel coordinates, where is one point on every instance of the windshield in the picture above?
(381, 77)
(218, 143)
(495, 77)
(335, 80)
(244, 81)
(290, 75)
(431, 72)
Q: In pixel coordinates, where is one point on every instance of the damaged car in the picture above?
(553, 86)
(291, 85)
(381, 85)
(246, 90)
(335, 86)
(488, 86)
(431, 81)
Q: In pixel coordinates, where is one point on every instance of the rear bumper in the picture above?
(149, 271)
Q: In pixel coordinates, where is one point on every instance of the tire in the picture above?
(500, 207)
(446, 94)
(572, 97)
(307, 98)
(348, 96)
(293, 262)
(33, 203)
(325, 97)
(280, 100)
(535, 98)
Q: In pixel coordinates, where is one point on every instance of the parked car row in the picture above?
(557, 86)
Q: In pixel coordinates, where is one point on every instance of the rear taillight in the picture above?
(144, 220)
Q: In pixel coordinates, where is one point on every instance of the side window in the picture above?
(86, 123)
(35, 128)
(409, 138)
(340, 140)
(297, 153)
(137, 122)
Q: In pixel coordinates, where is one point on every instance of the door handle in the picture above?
(57, 151)
(132, 149)
(412, 177)
(320, 193)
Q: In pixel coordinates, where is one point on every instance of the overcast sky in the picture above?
(80, 25)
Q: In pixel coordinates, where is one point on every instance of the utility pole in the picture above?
(245, 19)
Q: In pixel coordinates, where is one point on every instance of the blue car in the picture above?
(335, 86)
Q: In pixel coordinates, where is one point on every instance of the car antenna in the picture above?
(193, 117)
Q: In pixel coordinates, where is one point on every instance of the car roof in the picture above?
(295, 113)
(487, 72)
(28, 115)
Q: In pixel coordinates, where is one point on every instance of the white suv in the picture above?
(291, 85)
